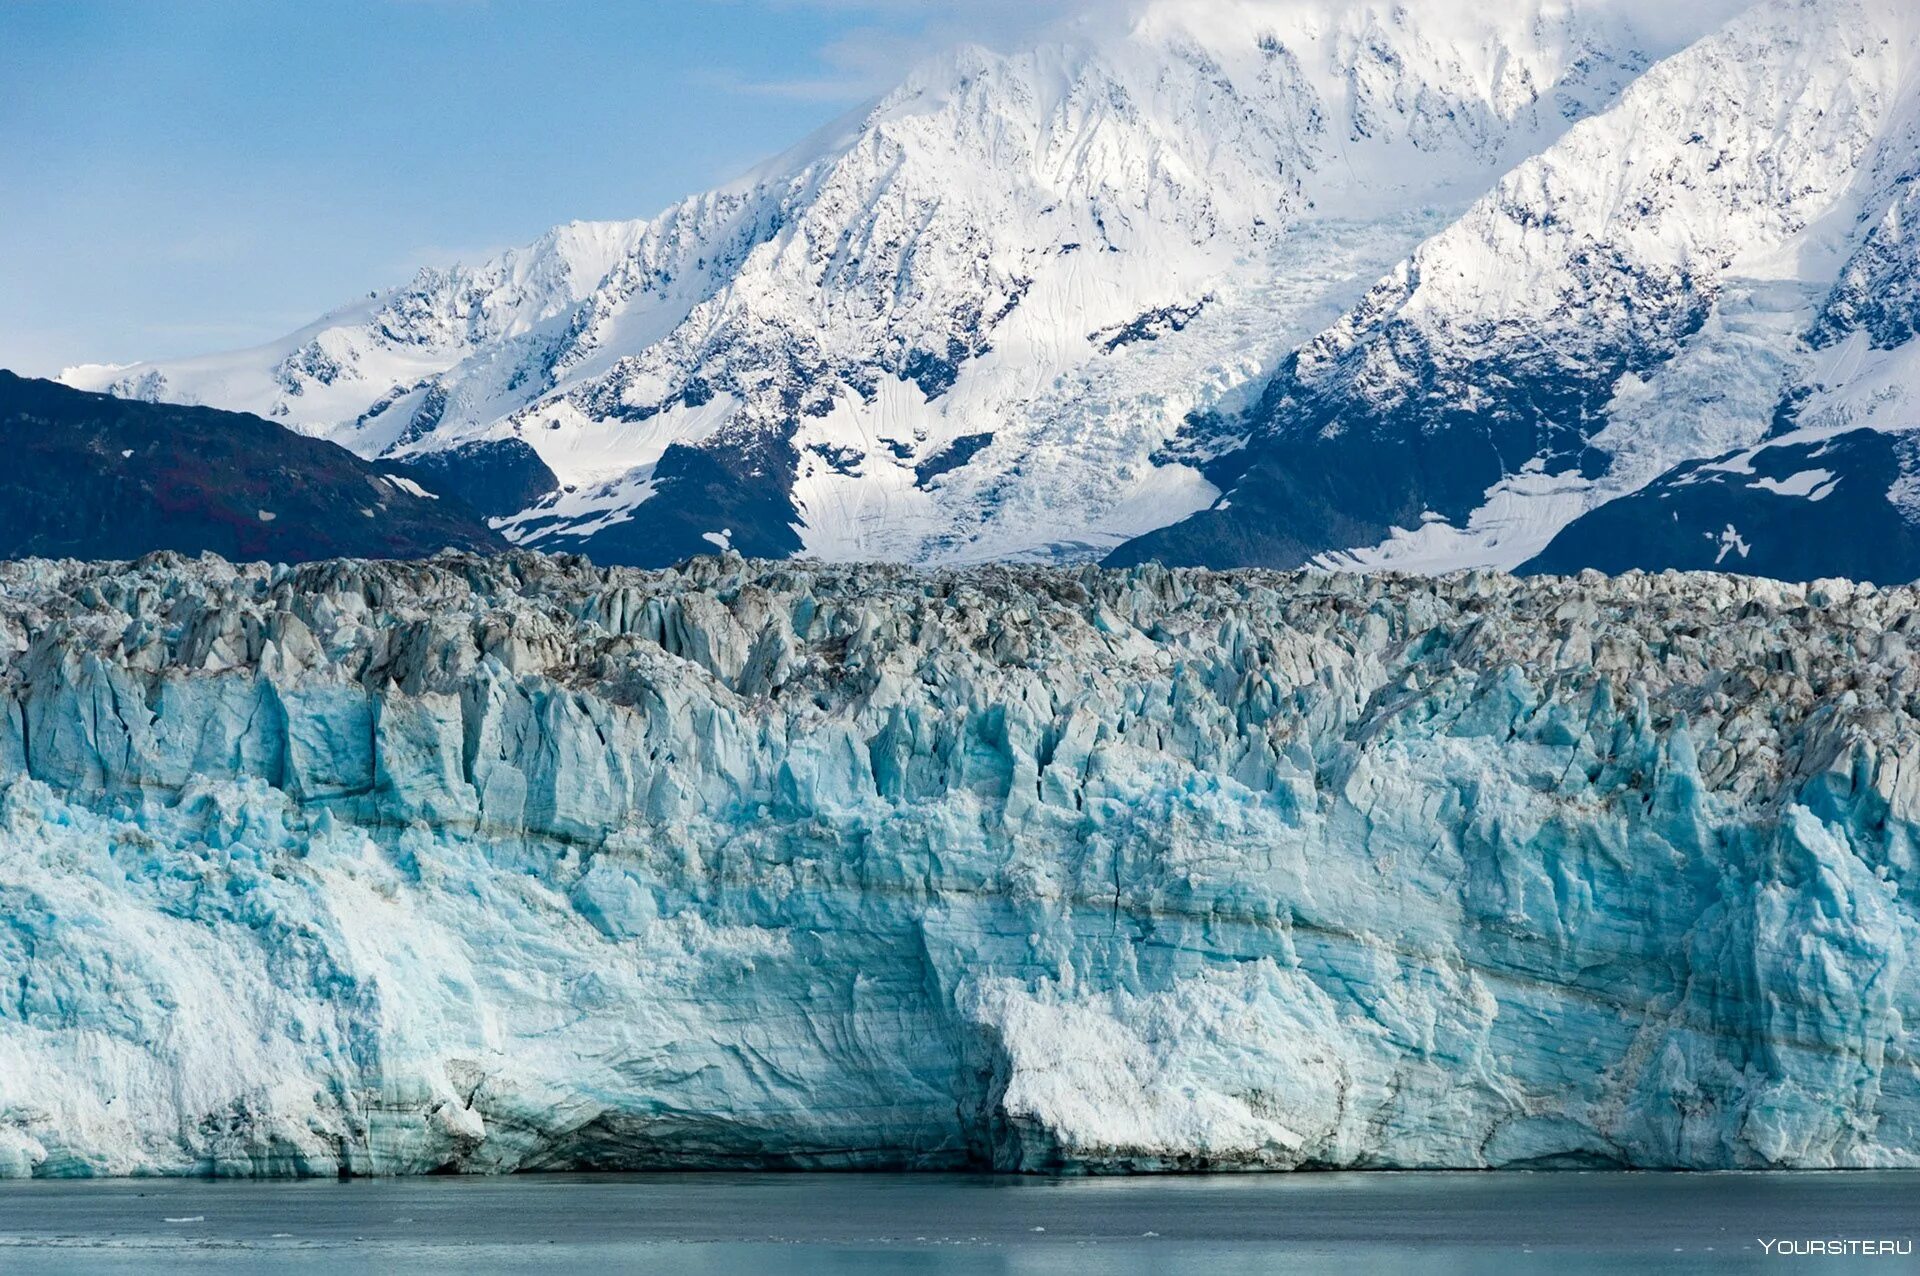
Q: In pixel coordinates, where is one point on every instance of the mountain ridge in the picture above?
(1231, 283)
(90, 476)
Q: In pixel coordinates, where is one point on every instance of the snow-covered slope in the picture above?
(1725, 254)
(492, 864)
(964, 324)
(1235, 282)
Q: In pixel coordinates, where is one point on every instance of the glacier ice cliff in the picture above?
(489, 865)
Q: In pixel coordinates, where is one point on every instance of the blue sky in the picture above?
(190, 175)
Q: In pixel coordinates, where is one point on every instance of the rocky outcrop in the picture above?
(514, 863)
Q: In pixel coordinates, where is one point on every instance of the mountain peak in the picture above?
(1037, 302)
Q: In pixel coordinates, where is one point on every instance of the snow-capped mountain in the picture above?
(966, 323)
(1232, 282)
(1722, 259)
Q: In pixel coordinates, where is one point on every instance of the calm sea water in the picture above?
(1431, 1224)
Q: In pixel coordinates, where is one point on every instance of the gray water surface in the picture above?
(1564, 1223)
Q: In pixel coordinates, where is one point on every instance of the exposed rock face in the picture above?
(518, 863)
(1793, 509)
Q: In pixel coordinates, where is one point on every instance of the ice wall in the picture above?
(519, 863)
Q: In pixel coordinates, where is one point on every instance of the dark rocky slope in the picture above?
(92, 476)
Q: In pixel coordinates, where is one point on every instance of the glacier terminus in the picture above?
(492, 864)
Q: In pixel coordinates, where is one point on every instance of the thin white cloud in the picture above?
(822, 88)
(888, 36)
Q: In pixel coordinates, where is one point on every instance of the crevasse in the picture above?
(508, 864)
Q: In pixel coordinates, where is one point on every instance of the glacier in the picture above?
(519, 863)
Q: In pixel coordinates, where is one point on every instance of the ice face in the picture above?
(509, 864)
